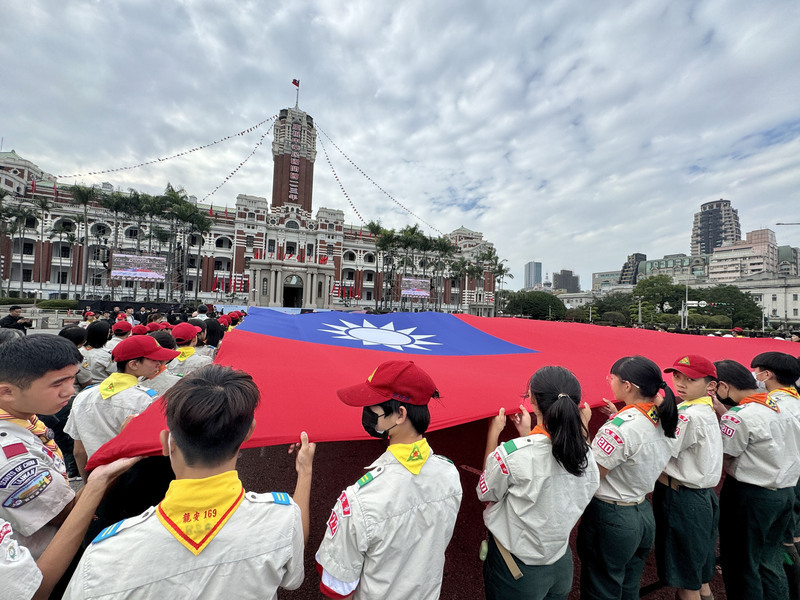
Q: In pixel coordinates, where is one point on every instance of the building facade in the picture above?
(533, 275)
(567, 281)
(716, 224)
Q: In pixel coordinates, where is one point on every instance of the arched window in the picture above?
(292, 225)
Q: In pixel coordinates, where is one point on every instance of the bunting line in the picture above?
(163, 159)
(368, 178)
(341, 186)
(241, 164)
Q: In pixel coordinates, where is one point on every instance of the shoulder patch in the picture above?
(617, 421)
(108, 532)
(440, 457)
(114, 529)
(281, 498)
(369, 476)
(735, 408)
(149, 391)
(510, 446)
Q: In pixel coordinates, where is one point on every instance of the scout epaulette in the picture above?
(269, 498)
(440, 457)
(114, 529)
(281, 498)
(369, 476)
(622, 416)
(510, 447)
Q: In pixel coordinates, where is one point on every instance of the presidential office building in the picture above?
(262, 253)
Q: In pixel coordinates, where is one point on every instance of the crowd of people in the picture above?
(387, 533)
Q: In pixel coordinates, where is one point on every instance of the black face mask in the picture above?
(369, 420)
(726, 401)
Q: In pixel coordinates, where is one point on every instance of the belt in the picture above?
(670, 482)
(620, 503)
(509, 560)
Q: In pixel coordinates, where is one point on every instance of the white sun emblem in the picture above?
(370, 335)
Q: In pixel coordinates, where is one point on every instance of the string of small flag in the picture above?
(241, 164)
(341, 186)
(368, 178)
(163, 159)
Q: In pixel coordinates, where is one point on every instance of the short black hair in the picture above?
(209, 413)
(24, 360)
(14, 307)
(736, 375)
(75, 334)
(164, 339)
(97, 334)
(785, 366)
(202, 309)
(419, 416)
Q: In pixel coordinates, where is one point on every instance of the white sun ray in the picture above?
(370, 335)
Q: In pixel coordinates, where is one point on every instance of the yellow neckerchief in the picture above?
(762, 398)
(37, 428)
(115, 383)
(412, 456)
(194, 510)
(648, 409)
(539, 429)
(702, 400)
(786, 390)
(185, 352)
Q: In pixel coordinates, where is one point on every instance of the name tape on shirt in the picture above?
(614, 435)
(18, 474)
(345, 503)
(499, 459)
(605, 445)
(333, 523)
(482, 484)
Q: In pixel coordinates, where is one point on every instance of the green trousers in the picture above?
(752, 525)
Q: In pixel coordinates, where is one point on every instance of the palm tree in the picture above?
(44, 205)
(60, 231)
(202, 225)
(21, 216)
(115, 202)
(459, 270)
(84, 196)
(444, 250)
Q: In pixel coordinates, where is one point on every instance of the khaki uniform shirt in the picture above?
(257, 550)
(97, 361)
(110, 344)
(161, 382)
(194, 362)
(33, 489)
(761, 446)
(19, 574)
(536, 502)
(786, 402)
(697, 448)
(387, 533)
(209, 351)
(635, 451)
(94, 420)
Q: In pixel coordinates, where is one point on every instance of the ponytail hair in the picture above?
(646, 376)
(558, 396)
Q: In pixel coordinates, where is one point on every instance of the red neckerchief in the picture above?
(763, 399)
(787, 390)
(539, 429)
(648, 409)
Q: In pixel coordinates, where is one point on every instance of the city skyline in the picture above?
(585, 136)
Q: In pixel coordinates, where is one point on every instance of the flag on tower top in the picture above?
(211, 211)
(33, 186)
(296, 82)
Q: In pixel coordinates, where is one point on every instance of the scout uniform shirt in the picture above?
(98, 363)
(761, 443)
(188, 360)
(208, 538)
(99, 411)
(33, 484)
(161, 382)
(634, 449)
(387, 533)
(536, 502)
(788, 400)
(19, 574)
(697, 448)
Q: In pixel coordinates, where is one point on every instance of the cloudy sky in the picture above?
(569, 133)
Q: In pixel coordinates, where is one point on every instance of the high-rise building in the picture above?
(565, 280)
(533, 274)
(716, 224)
(630, 270)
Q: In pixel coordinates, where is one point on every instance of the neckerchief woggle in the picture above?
(194, 510)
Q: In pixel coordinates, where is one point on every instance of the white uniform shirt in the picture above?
(110, 344)
(210, 351)
(257, 550)
(536, 502)
(33, 489)
(19, 574)
(94, 420)
(635, 451)
(192, 363)
(787, 402)
(98, 362)
(161, 382)
(761, 445)
(388, 532)
(697, 448)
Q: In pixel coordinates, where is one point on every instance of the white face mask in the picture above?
(762, 387)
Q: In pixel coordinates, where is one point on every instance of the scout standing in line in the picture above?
(617, 530)
(761, 444)
(685, 505)
(387, 534)
(538, 486)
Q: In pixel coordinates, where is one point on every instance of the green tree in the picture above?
(45, 205)
(619, 302)
(537, 305)
(659, 291)
(728, 300)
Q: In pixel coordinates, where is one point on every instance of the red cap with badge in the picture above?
(122, 326)
(142, 346)
(184, 332)
(399, 380)
(693, 366)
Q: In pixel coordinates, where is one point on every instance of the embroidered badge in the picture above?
(500, 462)
(605, 445)
(281, 498)
(19, 474)
(509, 446)
(727, 431)
(365, 480)
(12, 450)
(415, 455)
(333, 523)
(684, 361)
(13, 554)
(614, 435)
(683, 418)
(4, 531)
(33, 488)
(345, 504)
(482, 484)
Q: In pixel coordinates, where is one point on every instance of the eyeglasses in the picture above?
(610, 380)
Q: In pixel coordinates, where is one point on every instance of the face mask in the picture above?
(762, 387)
(369, 420)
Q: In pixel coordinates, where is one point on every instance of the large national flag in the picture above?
(479, 364)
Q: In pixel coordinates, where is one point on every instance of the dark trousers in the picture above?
(613, 544)
(753, 523)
